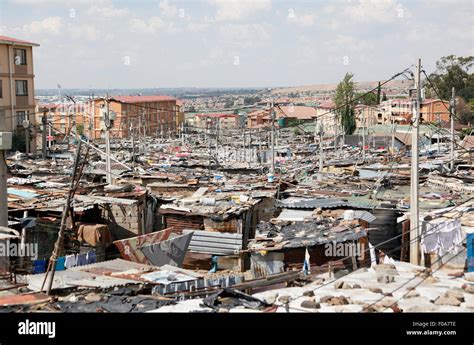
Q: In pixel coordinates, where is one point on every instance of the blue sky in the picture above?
(213, 43)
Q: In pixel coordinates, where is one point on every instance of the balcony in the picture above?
(23, 101)
(21, 69)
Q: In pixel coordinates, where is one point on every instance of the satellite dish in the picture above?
(26, 124)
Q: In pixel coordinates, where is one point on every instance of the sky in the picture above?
(227, 43)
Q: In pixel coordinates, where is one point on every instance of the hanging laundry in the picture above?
(60, 263)
(70, 261)
(91, 258)
(373, 258)
(81, 260)
(306, 263)
(441, 235)
(39, 266)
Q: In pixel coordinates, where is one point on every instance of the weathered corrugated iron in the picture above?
(129, 247)
(215, 242)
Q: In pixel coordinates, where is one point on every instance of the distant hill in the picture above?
(176, 92)
(361, 86)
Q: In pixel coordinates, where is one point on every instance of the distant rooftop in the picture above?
(143, 99)
(216, 115)
(11, 40)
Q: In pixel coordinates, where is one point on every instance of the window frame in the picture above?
(25, 82)
(24, 61)
(23, 117)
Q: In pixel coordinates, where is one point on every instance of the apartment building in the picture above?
(155, 115)
(64, 117)
(17, 98)
(434, 110)
(213, 120)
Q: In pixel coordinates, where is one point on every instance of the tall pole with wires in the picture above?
(272, 171)
(3, 173)
(393, 135)
(414, 203)
(363, 135)
(451, 115)
(321, 150)
(107, 123)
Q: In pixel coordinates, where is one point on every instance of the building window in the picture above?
(20, 117)
(1, 88)
(20, 56)
(21, 87)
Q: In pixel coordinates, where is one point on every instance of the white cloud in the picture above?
(244, 35)
(305, 20)
(167, 10)
(107, 11)
(153, 25)
(238, 9)
(369, 11)
(50, 25)
(87, 32)
(55, 2)
(197, 27)
(345, 48)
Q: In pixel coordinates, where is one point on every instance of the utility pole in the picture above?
(133, 142)
(49, 131)
(321, 151)
(315, 129)
(272, 171)
(44, 121)
(393, 135)
(243, 145)
(363, 136)
(26, 126)
(140, 131)
(108, 124)
(209, 144)
(5, 144)
(59, 242)
(439, 124)
(414, 202)
(452, 114)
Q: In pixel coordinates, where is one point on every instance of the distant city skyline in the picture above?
(107, 44)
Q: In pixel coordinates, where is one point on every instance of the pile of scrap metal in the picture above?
(284, 243)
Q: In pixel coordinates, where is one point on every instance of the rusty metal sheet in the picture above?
(30, 298)
(169, 252)
(129, 248)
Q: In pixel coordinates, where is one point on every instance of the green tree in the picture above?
(368, 98)
(463, 111)
(251, 100)
(80, 128)
(229, 103)
(19, 140)
(344, 103)
(453, 71)
(379, 90)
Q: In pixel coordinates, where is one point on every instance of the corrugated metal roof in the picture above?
(93, 275)
(365, 216)
(214, 242)
(294, 215)
(313, 203)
